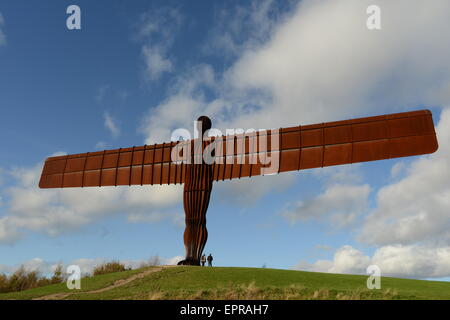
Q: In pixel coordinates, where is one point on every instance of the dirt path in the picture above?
(116, 284)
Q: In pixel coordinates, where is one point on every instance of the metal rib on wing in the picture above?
(302, 147)
(131, 166)
(333, 143)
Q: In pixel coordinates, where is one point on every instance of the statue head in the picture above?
(205, 122)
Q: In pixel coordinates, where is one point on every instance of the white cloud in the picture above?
(173, 260)
(398, 169)
(324, 64)
(2, 34)
(101, 145)
(344, 174)
(8, 232)
(111, 125)
(417, 207)
(182, 107)
(35, 264)
(157, 29)
(257, 18)
(155, 62)
(54, 211)
(38, 264)
(413, 261)
(339, 204)
(410, 261)
(160, 22)
(87, 265)
(247, 191)
(346, 260)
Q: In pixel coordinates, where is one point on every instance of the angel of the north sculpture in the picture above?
(200, 161)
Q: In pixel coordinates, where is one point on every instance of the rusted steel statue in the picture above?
(242, 155)
(197, 191)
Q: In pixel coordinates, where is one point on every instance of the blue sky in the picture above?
(136, 71)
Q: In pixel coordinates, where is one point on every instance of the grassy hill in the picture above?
(184, 282)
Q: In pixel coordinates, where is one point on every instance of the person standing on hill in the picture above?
(203, 260)
(210, 259)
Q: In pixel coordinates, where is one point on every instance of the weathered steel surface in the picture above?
(301, 147)
(197, 192)
(335, 143)
(129, 166)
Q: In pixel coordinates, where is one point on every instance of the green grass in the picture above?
(87, 284)
(186, 282)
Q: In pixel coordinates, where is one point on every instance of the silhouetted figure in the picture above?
(210, 259)
(203, 260)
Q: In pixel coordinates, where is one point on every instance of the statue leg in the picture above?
(197, 191)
